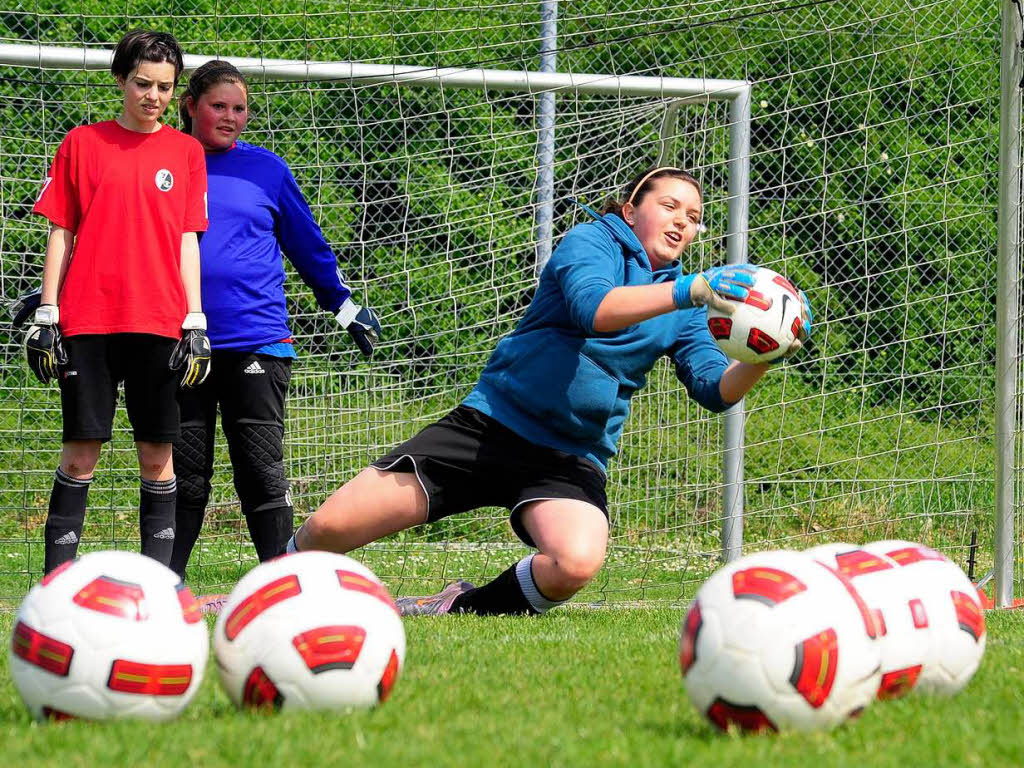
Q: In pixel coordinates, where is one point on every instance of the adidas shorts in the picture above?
(97, 363)
(249, 387)
(467, 460)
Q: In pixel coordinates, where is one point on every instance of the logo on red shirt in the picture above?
(164, 180)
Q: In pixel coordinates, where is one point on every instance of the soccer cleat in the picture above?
(433, 605)
(211, 605)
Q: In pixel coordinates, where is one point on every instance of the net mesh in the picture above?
(874, 146)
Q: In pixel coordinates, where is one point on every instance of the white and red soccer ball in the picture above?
(778, 641)
(906, 637)
(946, 604)
(764, 325)
(312, 630)
(113, 634)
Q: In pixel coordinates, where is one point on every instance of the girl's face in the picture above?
(147, 92)
(666, 220)
(219, 116)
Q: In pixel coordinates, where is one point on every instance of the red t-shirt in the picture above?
(128, 197)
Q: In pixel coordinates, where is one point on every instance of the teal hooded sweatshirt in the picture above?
(557, 382)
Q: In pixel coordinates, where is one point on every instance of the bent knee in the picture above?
(575, 570)
(319, 527)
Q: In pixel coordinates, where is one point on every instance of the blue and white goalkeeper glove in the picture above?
(362, 325)
(717, 287)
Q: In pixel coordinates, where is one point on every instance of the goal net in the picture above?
(873, 150)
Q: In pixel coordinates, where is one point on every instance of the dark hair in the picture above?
(213, 72)
(146, 45)
(642, 183)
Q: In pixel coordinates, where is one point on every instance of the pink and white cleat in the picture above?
(211, 605)
(433, 605)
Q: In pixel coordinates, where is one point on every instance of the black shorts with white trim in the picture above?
(467, 460)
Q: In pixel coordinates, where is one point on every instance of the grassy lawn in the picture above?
(578, 687)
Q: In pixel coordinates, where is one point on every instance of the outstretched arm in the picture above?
(740, 378)
(630, 304)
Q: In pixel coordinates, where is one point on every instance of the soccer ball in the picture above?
(905, 642)
(311, 630)
(764, 325)
(948, 605)
(113, 634)
(779, 641)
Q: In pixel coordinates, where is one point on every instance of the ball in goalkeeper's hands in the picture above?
(772, 323)
(362, 325)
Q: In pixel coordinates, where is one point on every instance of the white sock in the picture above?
(291, 546)
(524, 575)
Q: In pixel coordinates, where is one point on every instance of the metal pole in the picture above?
(354, 74)
(545, 216)
(736, 253)
(1007, 305)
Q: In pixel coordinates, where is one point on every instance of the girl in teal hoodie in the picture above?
(537, 431)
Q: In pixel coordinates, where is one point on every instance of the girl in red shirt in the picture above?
(120, 299)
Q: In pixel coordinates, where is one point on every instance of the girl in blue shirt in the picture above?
(256, 212)
(537, 431)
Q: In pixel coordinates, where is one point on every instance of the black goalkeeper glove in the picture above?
(44, 348)
(362, 325)
(192, 352)
(24, 306)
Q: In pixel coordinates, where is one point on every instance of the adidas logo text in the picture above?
(166, 533)
(254, 367)
(68, 538)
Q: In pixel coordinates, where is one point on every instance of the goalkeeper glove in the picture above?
(714, 287)
(25, 306)
(192, 351)
(362, 325)
(44, 348)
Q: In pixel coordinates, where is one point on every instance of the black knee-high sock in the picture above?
(156, 518)
(514, 592)
(188, 521)
(503, 596)
(270, 530)
(64, 519)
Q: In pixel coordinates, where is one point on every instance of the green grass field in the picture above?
(575, 688)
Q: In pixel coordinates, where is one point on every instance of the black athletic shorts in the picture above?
(249, 387)
(468, 460)
(97, 363)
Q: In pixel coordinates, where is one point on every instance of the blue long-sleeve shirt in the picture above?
(256, 212)
(558, 382)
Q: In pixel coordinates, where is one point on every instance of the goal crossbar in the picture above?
(521, 81)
